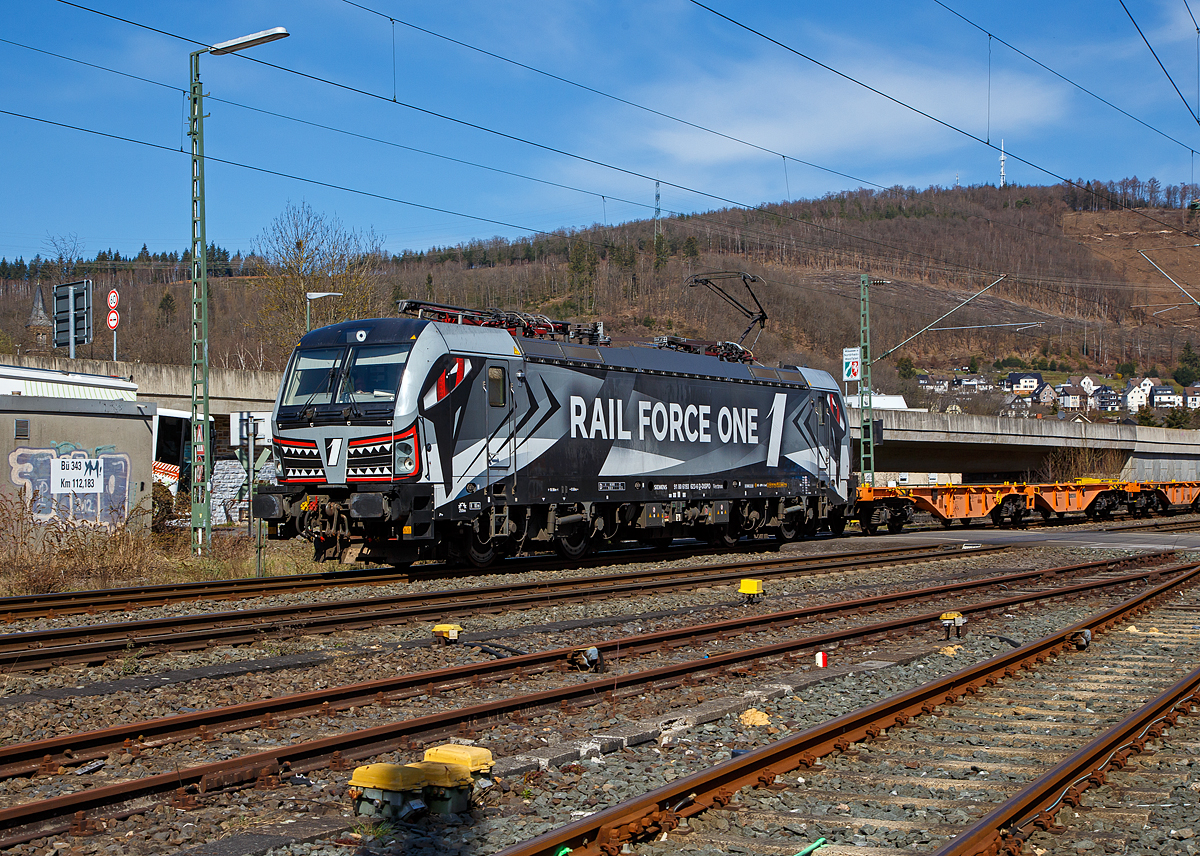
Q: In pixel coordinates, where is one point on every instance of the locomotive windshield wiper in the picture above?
(306, 411)
(352, 410)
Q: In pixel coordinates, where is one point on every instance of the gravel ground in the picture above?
(525, 803)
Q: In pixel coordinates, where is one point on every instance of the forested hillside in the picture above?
(934, 247)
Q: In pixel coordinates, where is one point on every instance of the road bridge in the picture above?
(992, 449)
(982, 448)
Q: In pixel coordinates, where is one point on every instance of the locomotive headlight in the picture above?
(277, 460)
(405, 453)
(405, 461)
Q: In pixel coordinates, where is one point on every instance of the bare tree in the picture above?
(303, 251)
(64, 252)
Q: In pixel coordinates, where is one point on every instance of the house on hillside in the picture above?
(1134, 397)
(1044, 394)
(1072, 397)
(1022, 383)
(1191, 398)
(1107, 399)
(933, 383)
(1146, 383)
(1085, 382)
(1164, 397)
(972, 384)
(1015, 406)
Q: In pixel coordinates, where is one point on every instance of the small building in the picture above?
(1074, 398)
(1022, 383)
(1164, 397)
(1043, 394)
(1085, 382)
(1015, 406)
(1134, 397)
(1108, 400)
(933, 383)
(972, 384)
(1191, 398)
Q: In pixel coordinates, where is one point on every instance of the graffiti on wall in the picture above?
(29, 470)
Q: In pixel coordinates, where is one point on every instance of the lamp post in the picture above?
(309, 297)
(201, 454)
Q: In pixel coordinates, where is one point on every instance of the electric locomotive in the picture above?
(467, 435)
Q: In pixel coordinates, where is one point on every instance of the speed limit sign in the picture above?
(113, 299)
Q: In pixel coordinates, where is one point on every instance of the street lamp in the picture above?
(309, 297)
(201, 454)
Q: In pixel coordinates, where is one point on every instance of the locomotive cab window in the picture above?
(312, 376)
(497, 387)
(373, 372)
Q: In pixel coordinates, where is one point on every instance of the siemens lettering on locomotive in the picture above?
(473, 435)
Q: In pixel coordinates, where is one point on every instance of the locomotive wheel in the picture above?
(866, 524)
(787, 531)
(720, 535)
(574, 545)
(480, 555)
(470, 550)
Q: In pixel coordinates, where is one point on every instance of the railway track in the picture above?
(46, 756)
(1157, 526)
(57, 604)
(966, 764)
(41, 649)
(43, 817)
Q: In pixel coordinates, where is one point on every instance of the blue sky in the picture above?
(670, 55)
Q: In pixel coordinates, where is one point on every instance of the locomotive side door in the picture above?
(499, 423)
(824, 435)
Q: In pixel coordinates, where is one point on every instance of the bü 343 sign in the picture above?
(76, 475)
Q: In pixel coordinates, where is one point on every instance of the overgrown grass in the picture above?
(42, 556)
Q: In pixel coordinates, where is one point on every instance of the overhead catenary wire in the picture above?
(1063, 77)
(1191, 112)
(900, 103)
(603, 94)
(614, 167)
(905, 253)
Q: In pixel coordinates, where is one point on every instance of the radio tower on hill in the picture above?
(1001, 162)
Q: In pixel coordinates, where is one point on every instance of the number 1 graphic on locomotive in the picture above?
(470, 435)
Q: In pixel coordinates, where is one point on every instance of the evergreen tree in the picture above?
(661, 252)
(1178, 417)
(1146, 418)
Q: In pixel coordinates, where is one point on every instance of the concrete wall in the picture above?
(229, 390)
(118, 432)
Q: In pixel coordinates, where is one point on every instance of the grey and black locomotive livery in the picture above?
(469, 436)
